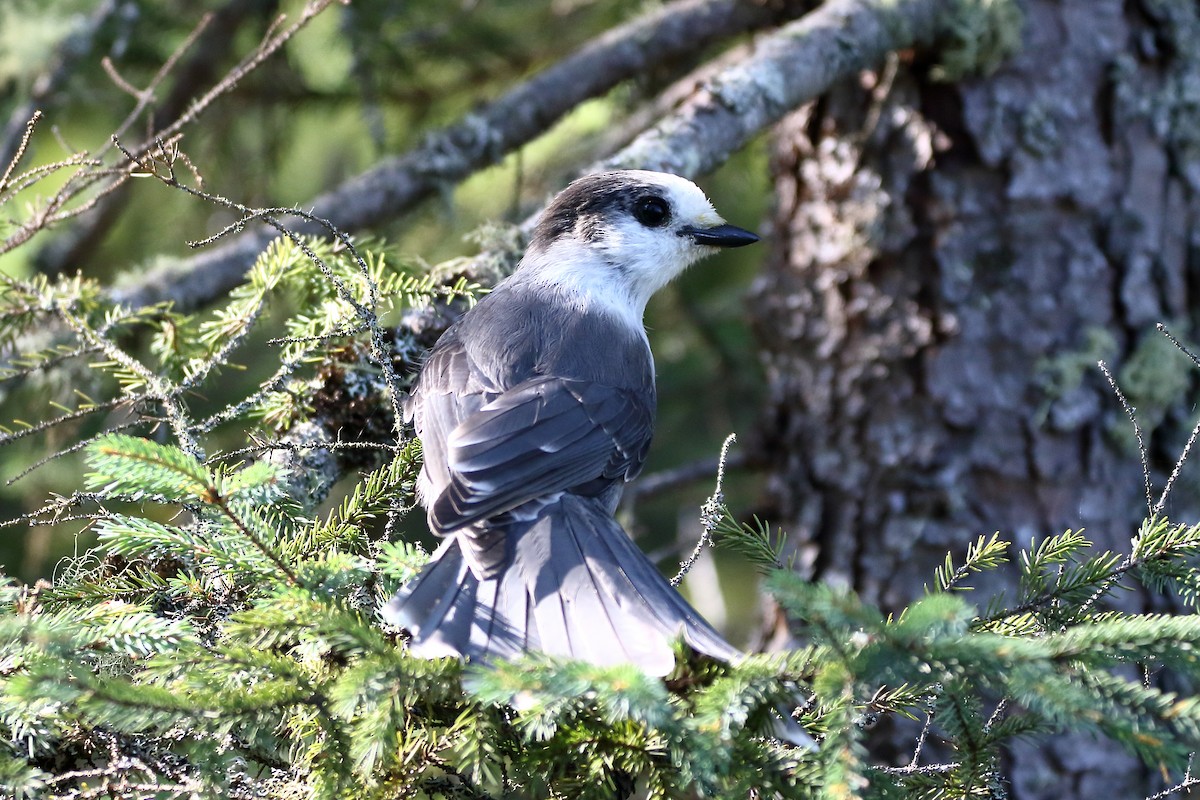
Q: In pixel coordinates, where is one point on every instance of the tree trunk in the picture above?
(952, 260)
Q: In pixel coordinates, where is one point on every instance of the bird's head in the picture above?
(628, 232)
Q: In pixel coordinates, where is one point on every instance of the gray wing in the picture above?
(543, 436)
(450, 389)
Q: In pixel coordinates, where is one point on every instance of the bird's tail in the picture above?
(574, 585)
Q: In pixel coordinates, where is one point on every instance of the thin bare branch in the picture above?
(19, 153)
(1187, 448)
(270, 44)
(1137, 433)
(67, 204)
(200, 68)
(710, 514)
(145, 96)
(70, 416)
(80, 445)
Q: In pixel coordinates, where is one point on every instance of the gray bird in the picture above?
(533, 410)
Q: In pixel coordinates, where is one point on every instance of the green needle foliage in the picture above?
(235, 657)
(222, 637)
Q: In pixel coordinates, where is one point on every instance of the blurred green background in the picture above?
(358, 83)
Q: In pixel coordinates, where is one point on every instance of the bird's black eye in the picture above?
(652, 211)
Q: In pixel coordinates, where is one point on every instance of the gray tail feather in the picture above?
(575, 585)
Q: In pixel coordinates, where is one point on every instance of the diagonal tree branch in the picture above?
(782, 71)
(478, 140)
(211, 48)
(785, 69)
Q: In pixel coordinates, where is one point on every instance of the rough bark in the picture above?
(951, 261)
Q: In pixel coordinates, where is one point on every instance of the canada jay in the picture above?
(533, 410)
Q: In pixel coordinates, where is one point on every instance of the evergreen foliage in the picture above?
(222, 638)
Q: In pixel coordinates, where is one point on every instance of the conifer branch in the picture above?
(366, 311)
(222, 504)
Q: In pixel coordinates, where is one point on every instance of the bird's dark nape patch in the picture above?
(582, 207)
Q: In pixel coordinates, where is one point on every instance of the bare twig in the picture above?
(145, 96)
(1184, 786)
(90, 169)
(710, 514)
(79, 194)
(75, 448)
(160, 390)
(1176, 470)
(1175, 341)
(1187, 448)
(267, 48)
(1137, 432)
(295, 447)
(76, 244)
(914, 762)
(927, 769)
(19, 151)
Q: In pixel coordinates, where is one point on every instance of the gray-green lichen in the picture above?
(978, 36)
(1060, 374)
(1161, 84)
(500, 248)
(1154, 376)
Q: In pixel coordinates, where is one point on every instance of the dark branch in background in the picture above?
(480, 139)
(668, 480)
(784, 70)
(76, 48)
(211, 47)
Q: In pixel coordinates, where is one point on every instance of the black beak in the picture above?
(721, 236)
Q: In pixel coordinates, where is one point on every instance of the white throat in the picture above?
(581, 276)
